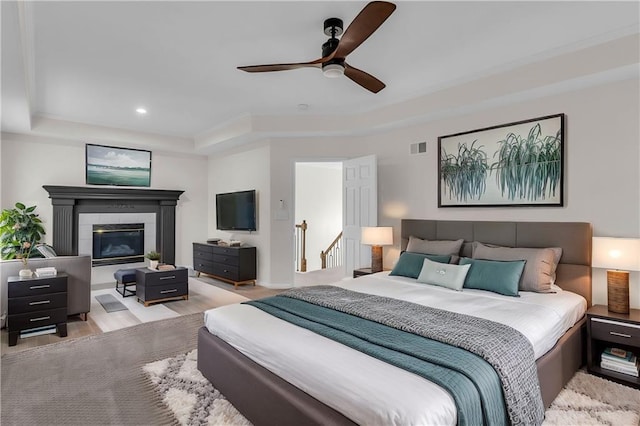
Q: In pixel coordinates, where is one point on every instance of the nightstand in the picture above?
(160, 286)
(36, 302)
(362, 271)
(609, 329)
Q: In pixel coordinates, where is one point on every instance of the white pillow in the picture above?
(443, 274)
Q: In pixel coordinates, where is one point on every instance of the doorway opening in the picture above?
(318, 216)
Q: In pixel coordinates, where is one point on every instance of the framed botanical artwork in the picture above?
(515, 164)
(110, 165)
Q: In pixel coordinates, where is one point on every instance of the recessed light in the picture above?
(303, 107)
(141, 111)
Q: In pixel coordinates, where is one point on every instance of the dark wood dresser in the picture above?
(235, 265)
(35, 303)
(160, 286)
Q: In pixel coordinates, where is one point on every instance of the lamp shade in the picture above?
(377, 235)
(616, 253)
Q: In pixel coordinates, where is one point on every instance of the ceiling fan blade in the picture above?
(364, 79)
(282, 67)
(366, 23)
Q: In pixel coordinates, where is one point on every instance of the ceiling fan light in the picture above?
(333, 70)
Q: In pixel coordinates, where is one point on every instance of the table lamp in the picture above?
(376, 237)
(618, 256)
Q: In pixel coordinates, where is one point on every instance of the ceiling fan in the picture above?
(335, 51)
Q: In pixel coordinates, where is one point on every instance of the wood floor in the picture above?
(204, 293)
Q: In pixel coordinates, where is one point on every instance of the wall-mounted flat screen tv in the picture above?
(110, 165)
(236, 211)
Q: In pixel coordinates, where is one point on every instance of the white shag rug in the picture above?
(586, 400)
(189, 395)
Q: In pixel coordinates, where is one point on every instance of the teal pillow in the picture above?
(410, 264)
(492, 275)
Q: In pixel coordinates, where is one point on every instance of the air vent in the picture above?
(419, 148)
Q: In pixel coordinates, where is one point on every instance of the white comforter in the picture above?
(370, 391)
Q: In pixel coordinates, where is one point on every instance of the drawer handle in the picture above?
(168, 278)
(168, 291)
(620, 334)
(35, 287)
(39, 319)
(42, 302)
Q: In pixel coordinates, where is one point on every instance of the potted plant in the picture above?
(20, 230)
(153, 257)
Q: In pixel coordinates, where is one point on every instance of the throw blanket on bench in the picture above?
(427, 342)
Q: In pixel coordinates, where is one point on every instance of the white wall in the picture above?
(602, 178)
(318, 198)
(29, 162)
(240, 171)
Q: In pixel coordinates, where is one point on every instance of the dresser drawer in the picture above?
(202, 247)
(202, 265)
(226, 271)
(160, 278)
(34, 287)
(164, 291)
(226, 259)
(38, 303)
(37, 319)
(615, 331)
(226, 251)
(202, 252)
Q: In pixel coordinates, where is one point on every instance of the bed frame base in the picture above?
(266, 399)
(261, 396)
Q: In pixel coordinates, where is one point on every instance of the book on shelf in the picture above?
(630, 370)
(618, 354)
(38, 331)
(626, 361)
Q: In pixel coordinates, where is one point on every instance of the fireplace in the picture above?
(114, 244)
(69, 202)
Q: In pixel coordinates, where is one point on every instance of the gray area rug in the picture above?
(94, 380)
(110, 303)
(586, 400)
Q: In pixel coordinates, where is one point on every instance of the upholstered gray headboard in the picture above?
(574, 271)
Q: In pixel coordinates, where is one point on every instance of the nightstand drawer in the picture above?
(38, 303)
(37, 319)
(161, 278)
(615, 331)
(165, 291)
(37, 286)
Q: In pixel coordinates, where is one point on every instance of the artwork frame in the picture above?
(116, 166)
(483, 167)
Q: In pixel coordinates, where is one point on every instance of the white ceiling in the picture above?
(96, 62)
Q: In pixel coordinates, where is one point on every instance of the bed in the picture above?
(266, 398)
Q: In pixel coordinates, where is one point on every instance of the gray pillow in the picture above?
(443, 247)
(540, 267)
(443, 274)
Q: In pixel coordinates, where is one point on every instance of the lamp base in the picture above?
(376, 259)
(618, 291)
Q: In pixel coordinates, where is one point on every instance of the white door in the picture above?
(360, 208)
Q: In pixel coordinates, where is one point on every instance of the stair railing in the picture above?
(301, 249)
(332, 256)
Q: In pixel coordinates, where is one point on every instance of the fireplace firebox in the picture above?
(115, 244)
